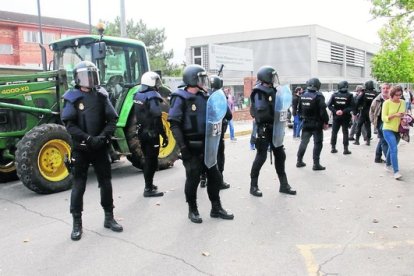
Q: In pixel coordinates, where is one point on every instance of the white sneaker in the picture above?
(388, 168)
(397, 175)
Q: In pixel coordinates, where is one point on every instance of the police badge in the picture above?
(193, 107)
(81, 106)
(270, 98)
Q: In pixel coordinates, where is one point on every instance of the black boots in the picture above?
(224, 185)
(368, 142)
(108, 223)
(300, 164)
(356, 141)
(254, 188)
(285, 187)
(318, 167)
(334, 150)
(346, 150)
(152, 191)
(111, 223)
(193, 214)
(217, 211)
(77, 227)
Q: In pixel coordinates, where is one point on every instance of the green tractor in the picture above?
(33, 141)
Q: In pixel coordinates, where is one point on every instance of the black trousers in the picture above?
(150, 148)
(340, 122)
(263, 142)
(364, 120)
(317, 143)
(194, 166)
(102, 166)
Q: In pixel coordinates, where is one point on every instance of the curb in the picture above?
(238, 133)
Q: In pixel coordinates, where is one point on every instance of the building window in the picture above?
(34, 37)
(355, 57)
(6, 49)
(197, 57)
(330, 52)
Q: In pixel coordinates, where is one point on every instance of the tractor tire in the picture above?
(40, 159)
(8, 172)
(167, 156)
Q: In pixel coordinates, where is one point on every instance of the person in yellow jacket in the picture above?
(392, 111)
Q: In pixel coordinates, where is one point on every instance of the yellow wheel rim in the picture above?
(164, 152)
(50, 160)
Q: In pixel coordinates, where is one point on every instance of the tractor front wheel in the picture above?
(40, 159)
(7, 171)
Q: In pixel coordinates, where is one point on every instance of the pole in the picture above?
(123, 25)
(90, 16)
(42, 49)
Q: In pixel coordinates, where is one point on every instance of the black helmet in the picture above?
(216, 82)
(343, 86)
(195, 76)
(313, 84)
(369, 85)
(267, 74)
(86, 74)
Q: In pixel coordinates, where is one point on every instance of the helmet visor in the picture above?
(87, 77)
(275, 79)
(203, 81)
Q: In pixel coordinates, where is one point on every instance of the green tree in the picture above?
(154, 39)
(394, 62)
(394, 9)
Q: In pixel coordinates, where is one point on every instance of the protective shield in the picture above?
(216, 110)
(282, 103)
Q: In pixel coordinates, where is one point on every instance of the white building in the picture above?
(297, 53)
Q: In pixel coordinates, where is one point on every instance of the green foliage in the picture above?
(394, 62)
(398, 9)
(154, 40)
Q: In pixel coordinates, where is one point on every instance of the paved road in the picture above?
(352, 219)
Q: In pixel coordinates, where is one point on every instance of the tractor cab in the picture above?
(121, 61)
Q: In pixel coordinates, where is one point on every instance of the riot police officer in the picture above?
(147, 107)
(341, 105)
(312, 109)
(216, 83)
(262, 106)
(90, 119)
(363, 103)
(187, 116)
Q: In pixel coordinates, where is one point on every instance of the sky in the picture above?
(182, 19)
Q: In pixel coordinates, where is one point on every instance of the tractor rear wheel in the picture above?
(40, 159)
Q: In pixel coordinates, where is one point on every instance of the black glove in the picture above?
(164, 141)
(185, 153)
(95, 142)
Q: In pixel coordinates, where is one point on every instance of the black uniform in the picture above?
(363, 104)
(149, 127)
(91, 121)
(187, 116)
(312, 109)
(263, 102)
(341, 101)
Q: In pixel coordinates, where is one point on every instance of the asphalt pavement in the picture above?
(352, 219)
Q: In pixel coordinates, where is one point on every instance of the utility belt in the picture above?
(262, 129)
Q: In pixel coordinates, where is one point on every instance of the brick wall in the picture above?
(242, 115)
(28, 53)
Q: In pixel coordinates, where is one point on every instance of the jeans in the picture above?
(231, 127)
(392, 153)
(297, 126)
(382, 146)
